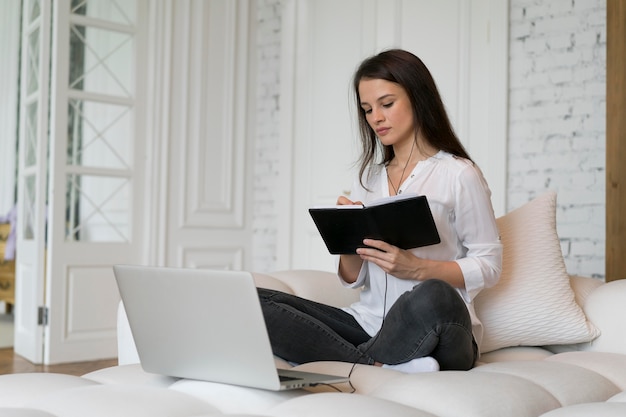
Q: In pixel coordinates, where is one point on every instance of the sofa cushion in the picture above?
(469, 394)
(568, 383)
(606, 308)
(341, 404)
(533, 304)
(618, 398)
(24, 412)
(249, 400)
(122, 400)
(20, 389)
(514, 353)
(612, 366)
(604, 409)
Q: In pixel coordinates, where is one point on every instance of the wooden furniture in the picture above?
(615, 140)
(7, 270)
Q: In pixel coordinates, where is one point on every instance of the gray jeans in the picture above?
(430, 320)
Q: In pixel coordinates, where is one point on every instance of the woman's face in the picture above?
(387, 110)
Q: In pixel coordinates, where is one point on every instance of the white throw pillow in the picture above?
(533, 304)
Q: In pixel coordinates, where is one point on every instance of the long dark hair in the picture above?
(429, 114)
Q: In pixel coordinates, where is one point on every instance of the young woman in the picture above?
(415, 311)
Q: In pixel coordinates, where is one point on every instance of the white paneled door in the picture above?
(210, 136)
(464, 44)
(147, 159)
(32, 180)
(80, 192)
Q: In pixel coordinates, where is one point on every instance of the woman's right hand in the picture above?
(349, 265)
(342, 200)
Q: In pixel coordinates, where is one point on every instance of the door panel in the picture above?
(210, 140)
(95, 171)
(323, 152)
(32, 180)
(80, 203)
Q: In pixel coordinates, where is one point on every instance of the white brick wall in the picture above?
(557, 119)
(556, 122)
(267, 136)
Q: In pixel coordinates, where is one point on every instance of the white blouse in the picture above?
(460, 201)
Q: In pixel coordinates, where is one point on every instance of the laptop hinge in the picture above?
(42, 316)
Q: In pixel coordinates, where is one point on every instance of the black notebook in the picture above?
(404, 221)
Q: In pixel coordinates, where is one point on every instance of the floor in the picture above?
(10, 363)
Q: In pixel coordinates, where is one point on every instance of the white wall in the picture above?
(266, 190)
(556, 122)
(557, 137)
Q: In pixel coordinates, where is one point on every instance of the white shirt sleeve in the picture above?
(360, 280)
(477, 232)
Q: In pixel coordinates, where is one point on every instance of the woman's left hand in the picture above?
(404, 265)
(391, 259)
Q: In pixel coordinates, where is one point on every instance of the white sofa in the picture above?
(554, 345)
(587, 379)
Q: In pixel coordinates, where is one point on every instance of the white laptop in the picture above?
(205, 325)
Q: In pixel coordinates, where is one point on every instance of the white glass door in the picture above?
(32, 181)
(94, 204)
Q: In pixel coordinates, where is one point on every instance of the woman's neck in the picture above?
(410, 154)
